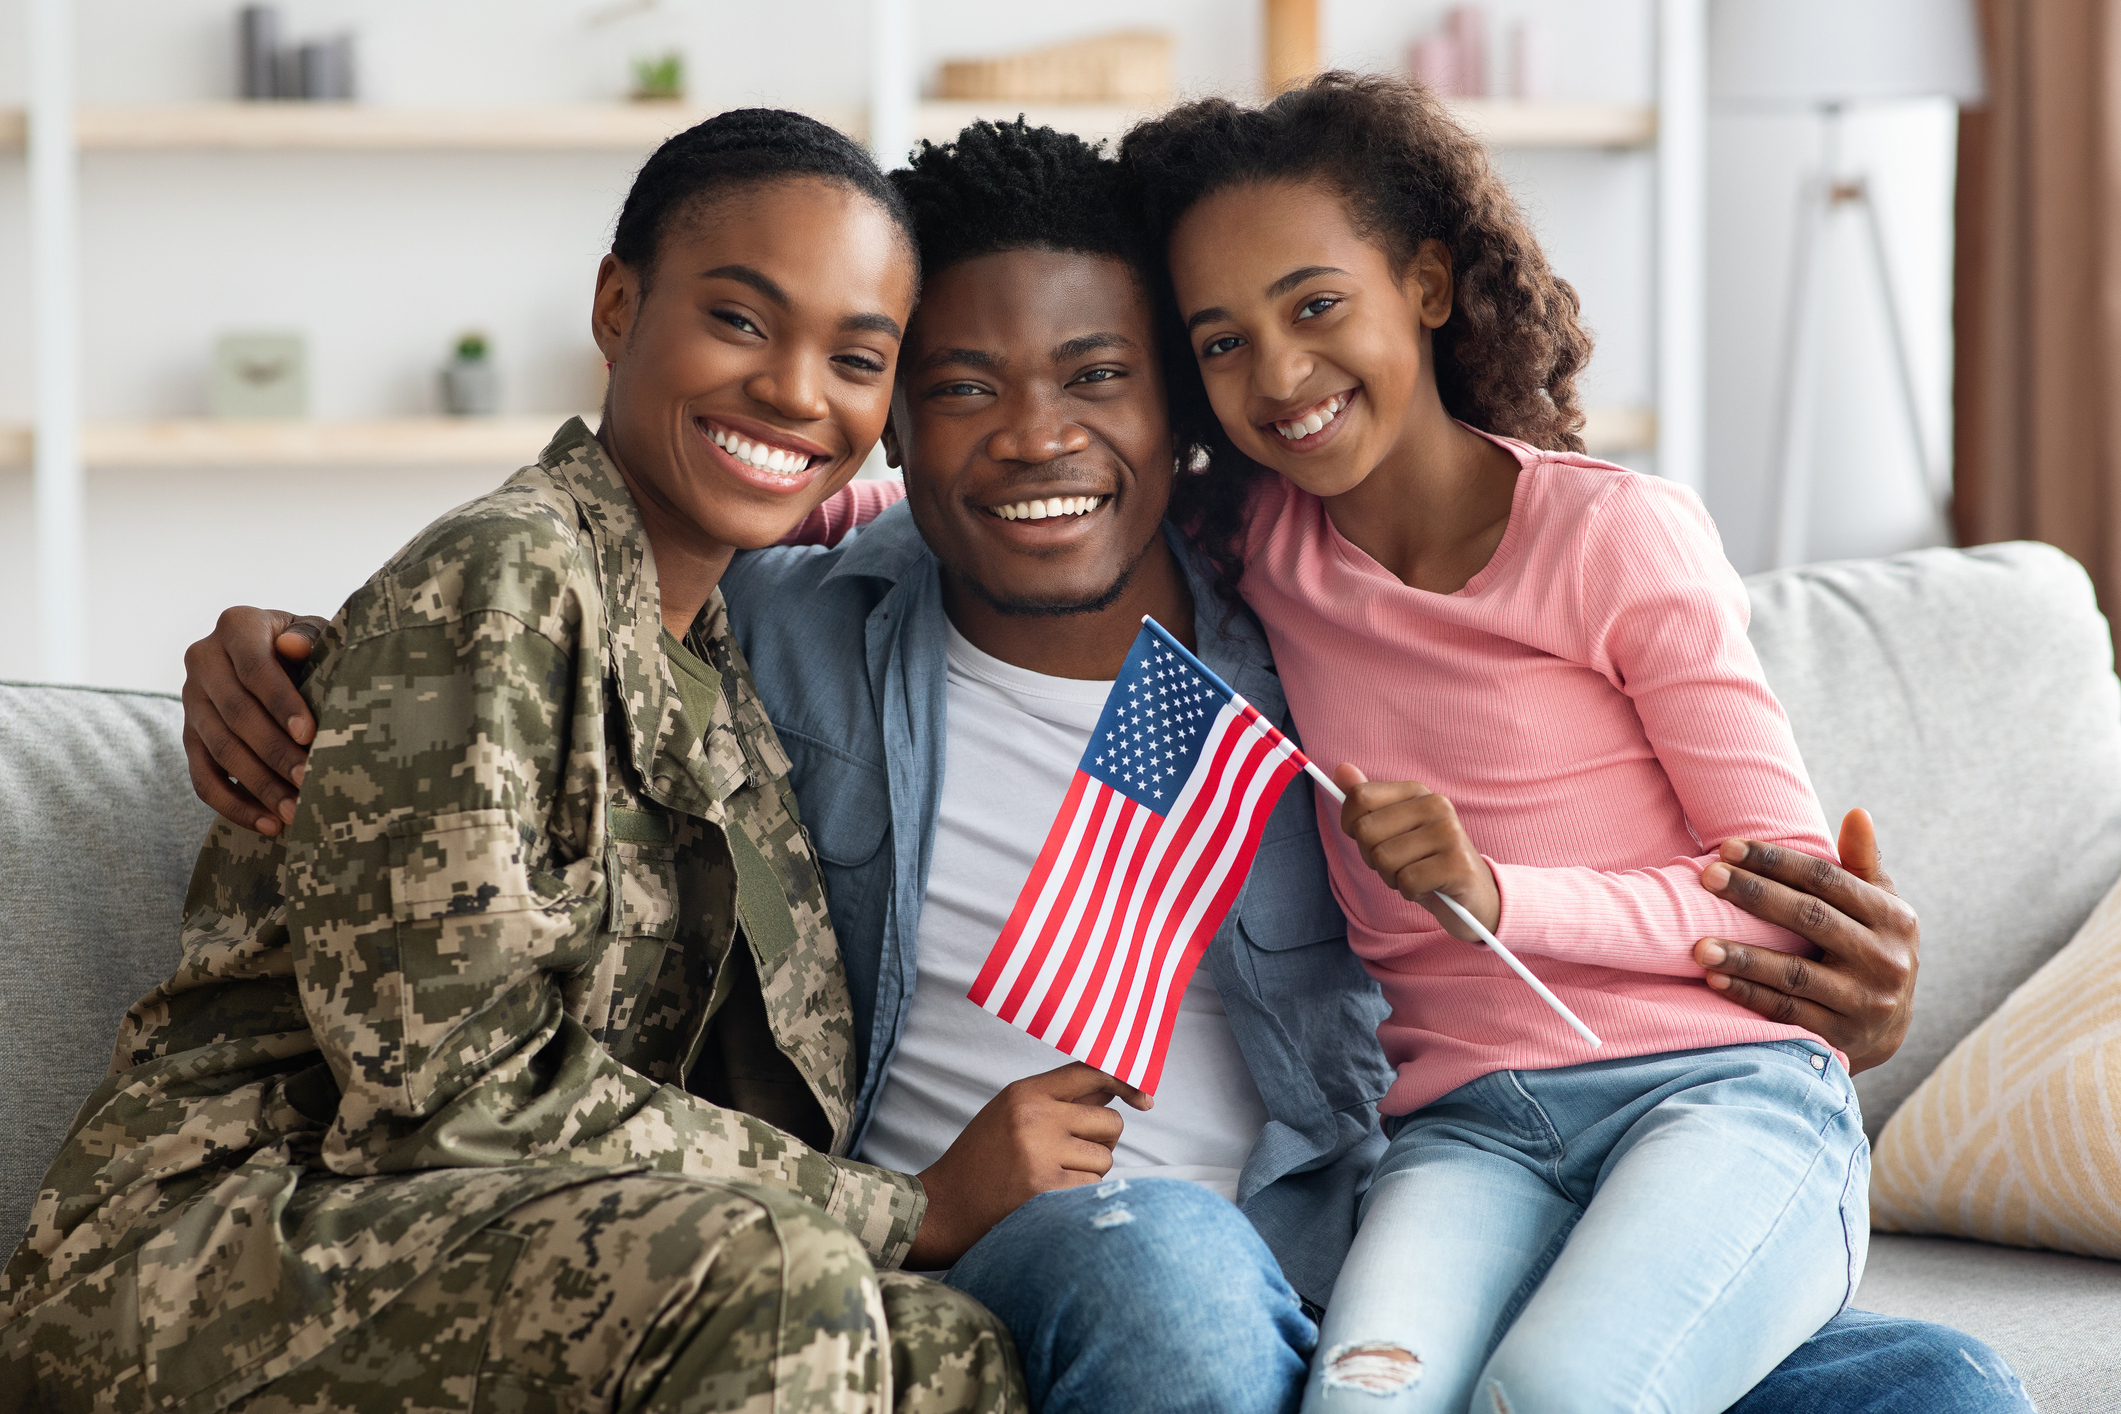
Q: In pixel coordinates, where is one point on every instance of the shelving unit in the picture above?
(637, 127)
(175, 444)
(178, 443)
(67, 449)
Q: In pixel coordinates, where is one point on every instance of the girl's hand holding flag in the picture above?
(1412, 837)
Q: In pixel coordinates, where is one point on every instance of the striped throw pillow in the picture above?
(2014, 1138)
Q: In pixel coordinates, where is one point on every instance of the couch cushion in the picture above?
(1967, 699)
(2012, 1138)
(98, 831)
(2056, 1319)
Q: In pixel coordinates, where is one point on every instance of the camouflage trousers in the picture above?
(652, 1293)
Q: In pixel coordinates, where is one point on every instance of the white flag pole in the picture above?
(1561, 1009)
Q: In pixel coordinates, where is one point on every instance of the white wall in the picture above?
(1867, 497)
(382, 259)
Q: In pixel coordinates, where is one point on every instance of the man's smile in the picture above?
(1053, 507)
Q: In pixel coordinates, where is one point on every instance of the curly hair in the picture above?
(1508, 357)
(742, 148)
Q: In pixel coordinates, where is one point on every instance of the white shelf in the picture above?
(189, 443)
(357, 127)
(636, 127)
(179, 443)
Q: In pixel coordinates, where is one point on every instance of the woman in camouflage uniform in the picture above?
(516, 1073)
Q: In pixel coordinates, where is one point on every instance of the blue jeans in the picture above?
(1655, 1232)
(1142, 1294)
(1183, 1309)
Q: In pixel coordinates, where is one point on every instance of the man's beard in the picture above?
(1056, 608)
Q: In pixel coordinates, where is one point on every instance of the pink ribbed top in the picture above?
(1591, 706)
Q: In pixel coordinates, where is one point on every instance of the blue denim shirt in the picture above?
(846, 645)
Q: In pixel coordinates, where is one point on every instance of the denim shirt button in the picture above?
(1819, 1062)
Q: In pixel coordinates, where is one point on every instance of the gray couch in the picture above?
(1966, 698)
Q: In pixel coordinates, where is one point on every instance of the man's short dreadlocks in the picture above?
(1010, 186)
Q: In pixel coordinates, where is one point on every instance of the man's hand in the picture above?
(246, 727)
(1857, 994)
(1412, 838)
(1043, 1132)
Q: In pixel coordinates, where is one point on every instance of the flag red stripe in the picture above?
(1211, 919)
(1100, 993)
(1086, 929)
(1219, 825)
(1120, 888)
(998, 960)
(1100, 804)
(1177, 833)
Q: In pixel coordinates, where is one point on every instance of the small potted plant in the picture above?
(469, 388)
(659, 80)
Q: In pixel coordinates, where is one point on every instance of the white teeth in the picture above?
(1051, 506)
(758, 454)
(1304, 426)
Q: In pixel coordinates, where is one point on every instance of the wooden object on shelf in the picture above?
(1131, 68)
(1510, 122)
(1611, 431)
(1292, 42)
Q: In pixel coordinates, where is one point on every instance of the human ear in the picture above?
(1428, 283)
(892, 456)
(612, 310)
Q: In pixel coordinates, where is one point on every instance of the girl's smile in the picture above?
(1312, 428)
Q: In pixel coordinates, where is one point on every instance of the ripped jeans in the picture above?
(1650, 1233)
(1142, 1294)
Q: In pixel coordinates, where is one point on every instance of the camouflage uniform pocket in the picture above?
(645, 873)
(464, 863)
(473, 934)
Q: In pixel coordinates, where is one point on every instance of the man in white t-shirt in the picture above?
(934, 678)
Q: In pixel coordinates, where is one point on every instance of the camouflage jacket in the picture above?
(492, 958)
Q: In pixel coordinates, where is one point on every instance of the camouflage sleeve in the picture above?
(445, 931)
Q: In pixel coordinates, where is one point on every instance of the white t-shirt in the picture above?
(1014, 740)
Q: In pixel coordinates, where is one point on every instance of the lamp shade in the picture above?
(1782, 53)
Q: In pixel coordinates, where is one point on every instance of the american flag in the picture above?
(1152, 843)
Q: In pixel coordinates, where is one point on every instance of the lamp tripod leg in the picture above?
(1938, 498)
(1792, 446)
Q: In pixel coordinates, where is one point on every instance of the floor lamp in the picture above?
(1824, 56)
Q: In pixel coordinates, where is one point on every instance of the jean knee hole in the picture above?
(1376, 1367)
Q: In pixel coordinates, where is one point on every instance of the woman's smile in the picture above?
(763, 456)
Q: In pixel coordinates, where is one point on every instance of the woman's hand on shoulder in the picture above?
(1858, 993)
(1412, 837)
(247, 728)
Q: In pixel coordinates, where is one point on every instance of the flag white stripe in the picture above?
(1144, 995)
(1064, 936)
(1033, 925)
(1200, 892)
(1163, 944)
(1116, 843)
(1122, 938)
(1105, 947)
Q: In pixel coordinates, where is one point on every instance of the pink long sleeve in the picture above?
(852, 506)
(1590, 705)
(1663, 618)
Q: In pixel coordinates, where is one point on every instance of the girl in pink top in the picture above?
(1543, 660)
